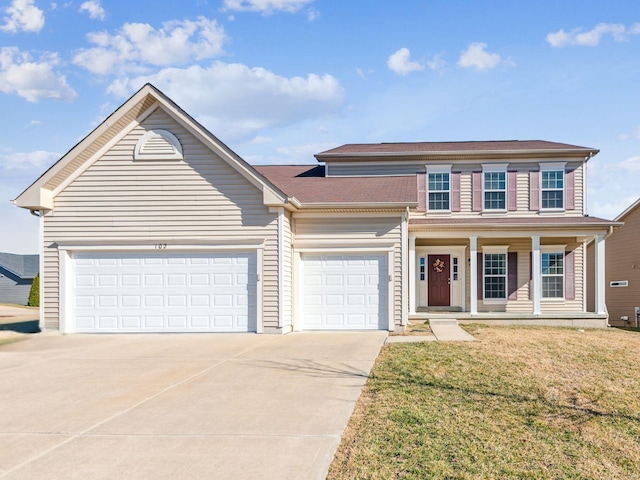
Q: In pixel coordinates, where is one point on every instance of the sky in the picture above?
(280, 80)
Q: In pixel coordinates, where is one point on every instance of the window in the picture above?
(422, 265)
(552, 189)
(439, 191)
(552, 274)
(495, 276)
(494, 187)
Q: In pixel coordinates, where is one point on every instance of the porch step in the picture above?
(438, 309)
(443, 321)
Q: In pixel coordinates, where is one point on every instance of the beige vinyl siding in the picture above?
(522, 198)
(200, 199)
(337, 232)
(287, 285)
(374, 169)
(524, 304)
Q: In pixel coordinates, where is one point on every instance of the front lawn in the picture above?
(520, 403)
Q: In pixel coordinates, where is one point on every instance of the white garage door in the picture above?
(344, 292)
(165, 292)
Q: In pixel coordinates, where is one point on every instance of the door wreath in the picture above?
(438, 265)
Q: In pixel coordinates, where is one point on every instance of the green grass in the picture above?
(520, 403)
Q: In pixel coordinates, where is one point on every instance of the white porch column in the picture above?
(600, 277)
(473, 271)
(537, 273)
(412, 275)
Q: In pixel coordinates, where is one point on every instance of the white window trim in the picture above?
(501, 249)
(553, 249)
(496, 168)
(553, 167)
(430, 169)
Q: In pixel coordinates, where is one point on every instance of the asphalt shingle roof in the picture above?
(308, 185)
(24, 266)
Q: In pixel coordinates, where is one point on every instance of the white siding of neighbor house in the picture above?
(356, 231)
(196, 200)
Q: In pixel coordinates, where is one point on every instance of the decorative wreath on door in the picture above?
(438, 265)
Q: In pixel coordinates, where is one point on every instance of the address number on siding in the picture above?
(160, 246)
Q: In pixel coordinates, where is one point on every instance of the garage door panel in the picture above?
(150, 292)
(344, 291)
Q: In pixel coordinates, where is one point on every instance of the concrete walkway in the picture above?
(442, 332)
(187, 406)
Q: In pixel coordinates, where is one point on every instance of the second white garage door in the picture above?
(344, 292)
(165, 292)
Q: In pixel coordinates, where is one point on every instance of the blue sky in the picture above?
(280, 80)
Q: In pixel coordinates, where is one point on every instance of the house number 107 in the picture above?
(161, 246)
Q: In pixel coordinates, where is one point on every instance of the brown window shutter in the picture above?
(455, 192)
(422, 192)
(534, 191)
(570, 275)
(480, 276)
(512, 274)
(512, 191)
(476, 204)
(570, 190)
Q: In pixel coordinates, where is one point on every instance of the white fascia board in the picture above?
(80, 146)
(35, 198)
(561, 153)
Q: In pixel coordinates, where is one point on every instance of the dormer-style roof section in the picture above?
(480, 150)
(309, 185)
(40, 195)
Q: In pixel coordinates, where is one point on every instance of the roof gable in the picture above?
(40, 195)
(630, 209)
(23, 266)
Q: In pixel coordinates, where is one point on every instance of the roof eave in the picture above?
(582, 152)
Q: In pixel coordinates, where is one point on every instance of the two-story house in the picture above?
(151, 224)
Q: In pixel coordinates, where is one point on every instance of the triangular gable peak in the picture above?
(40, 195)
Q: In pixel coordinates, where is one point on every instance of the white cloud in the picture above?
(27, 160)
(238, 101)
(94, 9)
(631, 164)
(401, 64)
(24, 16)
(267, 7)
(592, 38)
(611, 209)
(633, 135)
(138, 46)
(436, 63)
(32, 80)
(476, 56)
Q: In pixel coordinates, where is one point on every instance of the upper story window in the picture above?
(552, 186)
(439, 188)
(494, 186)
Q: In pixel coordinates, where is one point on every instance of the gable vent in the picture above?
(158, 145)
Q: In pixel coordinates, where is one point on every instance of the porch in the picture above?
(580, 319)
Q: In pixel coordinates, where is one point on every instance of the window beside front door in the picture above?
(495, 276)
(553, 275)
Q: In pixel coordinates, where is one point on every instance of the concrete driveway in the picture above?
(189, 406)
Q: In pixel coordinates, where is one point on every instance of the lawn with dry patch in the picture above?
(520, 403)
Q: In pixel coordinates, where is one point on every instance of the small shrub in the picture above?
(34, 293)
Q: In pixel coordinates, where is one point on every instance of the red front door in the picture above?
(439, 280)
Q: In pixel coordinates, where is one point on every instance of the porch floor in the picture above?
(580, 319)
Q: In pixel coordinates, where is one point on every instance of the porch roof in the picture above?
(508, 223)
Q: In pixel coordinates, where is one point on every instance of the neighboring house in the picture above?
(151, 224)
(16, 275)
(622, 270)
